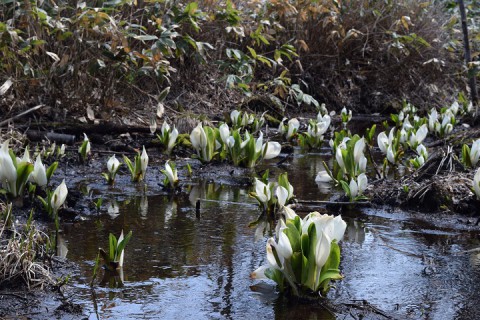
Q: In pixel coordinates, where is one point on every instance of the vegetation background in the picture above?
(114, 57)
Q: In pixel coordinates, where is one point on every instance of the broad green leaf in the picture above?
(112, 244)
(294, 236)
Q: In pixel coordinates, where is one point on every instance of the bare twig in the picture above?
(21, 114)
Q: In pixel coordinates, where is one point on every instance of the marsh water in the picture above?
(183, 265)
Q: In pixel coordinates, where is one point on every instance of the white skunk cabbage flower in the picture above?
(282, 195)
(198, 138)
(391, 155)
(358, 187)
(172, 174)
(263, 191)
(172, 139)
(234, 116)
(419, 136)
(271, 150)
(293, 126)
(476, 183)
(59, 196)
(144, 161)
(87, 149)
(39, 173)
(475, 152)
(382, 141)
(8, 171)
(224, 132)
(113, 164)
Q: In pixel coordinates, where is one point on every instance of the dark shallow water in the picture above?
(178, 265)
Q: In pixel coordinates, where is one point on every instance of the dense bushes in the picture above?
(115, 54)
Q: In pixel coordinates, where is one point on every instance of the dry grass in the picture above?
(19, 252)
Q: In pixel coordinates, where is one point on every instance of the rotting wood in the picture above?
(80, 128)
(34, 135)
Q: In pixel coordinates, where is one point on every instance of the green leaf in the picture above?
(112, 244)
(294, 236)
(163, 94)
(253, 53)
(51, 169)
(23, 172)
(297, 266)
(121, 246)
(346, 187)
(146, 37)
(466, 156)
(129, 166)
(276, 275)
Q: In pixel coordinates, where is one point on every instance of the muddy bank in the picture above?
(442, 184)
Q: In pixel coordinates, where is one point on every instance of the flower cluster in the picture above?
(304, 256)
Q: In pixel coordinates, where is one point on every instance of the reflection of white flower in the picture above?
(261, 230)
(170, 210)
(143, 206)
(323, 176)
(62, 248)
(113, 209)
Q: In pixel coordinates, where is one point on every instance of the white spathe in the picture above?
(59, 196)
(476, 183)
(293, 126)
(171, 174)
(113, 164)
(144, 161)
(8, 171)
(224, 132)
(475, 152)
(271, 150)
(172, 139)
(263, 191)
(282, 195)
(39, 173)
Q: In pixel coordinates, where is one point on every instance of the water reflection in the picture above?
(143, 207)
(61, 246)
(179, 266)
(355, 231)
(113, 209)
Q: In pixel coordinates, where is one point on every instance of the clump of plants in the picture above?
(272, 195)
(222, 144)
(137, 168)
(304, 256)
